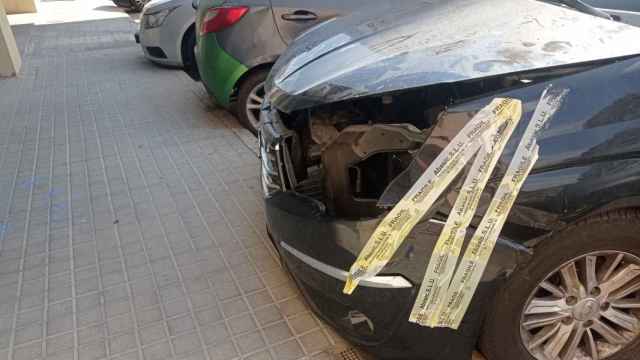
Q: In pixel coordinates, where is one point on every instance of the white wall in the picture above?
(9, 55)
(19, 6)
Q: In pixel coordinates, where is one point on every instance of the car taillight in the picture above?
(218, 19)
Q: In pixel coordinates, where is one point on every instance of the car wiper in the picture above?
(581, 6)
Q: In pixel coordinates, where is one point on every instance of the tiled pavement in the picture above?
(131, 223)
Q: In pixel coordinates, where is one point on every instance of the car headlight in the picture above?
(153, 20)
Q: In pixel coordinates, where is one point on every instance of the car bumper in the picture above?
(159, 45)
(376, 316)
(318, 249)
(219, 71)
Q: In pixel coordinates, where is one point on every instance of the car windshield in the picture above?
(580, 6)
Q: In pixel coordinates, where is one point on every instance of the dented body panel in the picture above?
(420, 43)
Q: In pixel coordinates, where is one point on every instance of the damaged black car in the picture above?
(358, 109)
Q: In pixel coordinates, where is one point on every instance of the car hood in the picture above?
(415, 43)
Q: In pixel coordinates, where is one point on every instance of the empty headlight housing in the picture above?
(269, 170)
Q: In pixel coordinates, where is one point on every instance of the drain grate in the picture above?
(353, 354)
(348, 354)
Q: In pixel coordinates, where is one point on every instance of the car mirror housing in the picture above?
(194, 4)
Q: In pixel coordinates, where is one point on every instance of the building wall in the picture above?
(9, 55)
(19, 6)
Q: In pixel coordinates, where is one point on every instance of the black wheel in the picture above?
(250, 98)
(137, 5)
(188, 54)
(578, 298)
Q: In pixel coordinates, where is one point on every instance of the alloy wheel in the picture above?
(587, 309)
(253, 105)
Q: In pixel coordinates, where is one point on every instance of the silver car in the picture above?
(167, 33)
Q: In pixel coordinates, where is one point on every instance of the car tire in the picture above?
(504, 333)
(250, 91)
(188, 54)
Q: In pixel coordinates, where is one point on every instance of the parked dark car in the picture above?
(239, 40)
(627, 11)
(564, 279)
(133, 5)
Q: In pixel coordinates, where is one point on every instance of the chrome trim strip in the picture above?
(280, 165)
(384, 282)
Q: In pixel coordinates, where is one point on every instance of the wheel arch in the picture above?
(613, 213)
(251, 71)
(629, 204)
(191, 29)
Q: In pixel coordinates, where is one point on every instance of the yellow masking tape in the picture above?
(447, 250)
(395, 227)
(477, 254)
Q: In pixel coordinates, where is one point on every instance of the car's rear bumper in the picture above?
(219, 71)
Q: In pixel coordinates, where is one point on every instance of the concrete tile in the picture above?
(303, 323)
(123, 342)
(250, 342)
(176, 307)
(93, 351)
(215, 333)
(261, 355)
(159, 351)
(234, 307)
(207, 316)
(289, 350)
(268, 315)
(152, 333)
(315, 341)
(59, 343)
(277, 332)
(223, 351)
(186, 343)
(180, 324)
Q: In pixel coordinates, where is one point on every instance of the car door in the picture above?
(627, 11)
(295, 16)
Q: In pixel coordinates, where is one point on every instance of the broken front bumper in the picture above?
(318, 249)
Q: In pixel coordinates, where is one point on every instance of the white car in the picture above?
(167, 33)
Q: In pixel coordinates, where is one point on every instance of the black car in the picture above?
(133, 5)
(358, 108)
(627, 11)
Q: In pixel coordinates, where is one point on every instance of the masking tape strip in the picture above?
(476, 257)
(444, 258)
(395, 227)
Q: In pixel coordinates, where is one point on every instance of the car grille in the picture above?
(275, 158)
(156, 52)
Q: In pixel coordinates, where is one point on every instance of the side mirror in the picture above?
(194, 4)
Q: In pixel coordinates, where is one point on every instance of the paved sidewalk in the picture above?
(131, 223)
